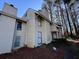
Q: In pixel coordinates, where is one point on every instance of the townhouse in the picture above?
(12, 29)
(38, 29)
(32, 30)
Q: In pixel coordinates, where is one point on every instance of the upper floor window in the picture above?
(39, 20)
(39, 23)
(19, 25)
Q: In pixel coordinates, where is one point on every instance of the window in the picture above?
(39, 23)
(19, 26)
(17, 41)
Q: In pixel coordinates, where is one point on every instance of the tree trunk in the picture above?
(73, 20)
(76, 22)
(50, 9)
(64, 22)
(68, 19)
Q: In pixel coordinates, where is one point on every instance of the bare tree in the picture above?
(66, 2)
(49, 2)
(74, 18)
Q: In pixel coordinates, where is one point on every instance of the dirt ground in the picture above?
(35, 53)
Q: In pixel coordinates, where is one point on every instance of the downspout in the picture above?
(14, 36)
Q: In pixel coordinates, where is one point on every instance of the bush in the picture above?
(60, 40)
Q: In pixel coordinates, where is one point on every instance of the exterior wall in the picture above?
(7, 26)
(38, 29)
(46, 14)
(54, 31)
(26, 32)
(31, 28)
(44, 34)
(53, 28)
(46, 9)
(22, 33)
(48, 32)
(45, 30)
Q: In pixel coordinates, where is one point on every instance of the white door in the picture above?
(39, 40)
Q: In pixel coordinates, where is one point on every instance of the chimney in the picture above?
(10, 9)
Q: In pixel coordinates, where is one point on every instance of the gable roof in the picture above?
(38, 13)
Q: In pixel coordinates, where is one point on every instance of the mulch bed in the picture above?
(35, 53)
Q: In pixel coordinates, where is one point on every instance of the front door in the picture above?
(54, 35)
(39, 40)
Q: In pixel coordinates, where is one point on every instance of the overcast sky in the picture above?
(23, 5)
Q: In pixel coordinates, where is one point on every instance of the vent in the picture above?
(11, 5)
